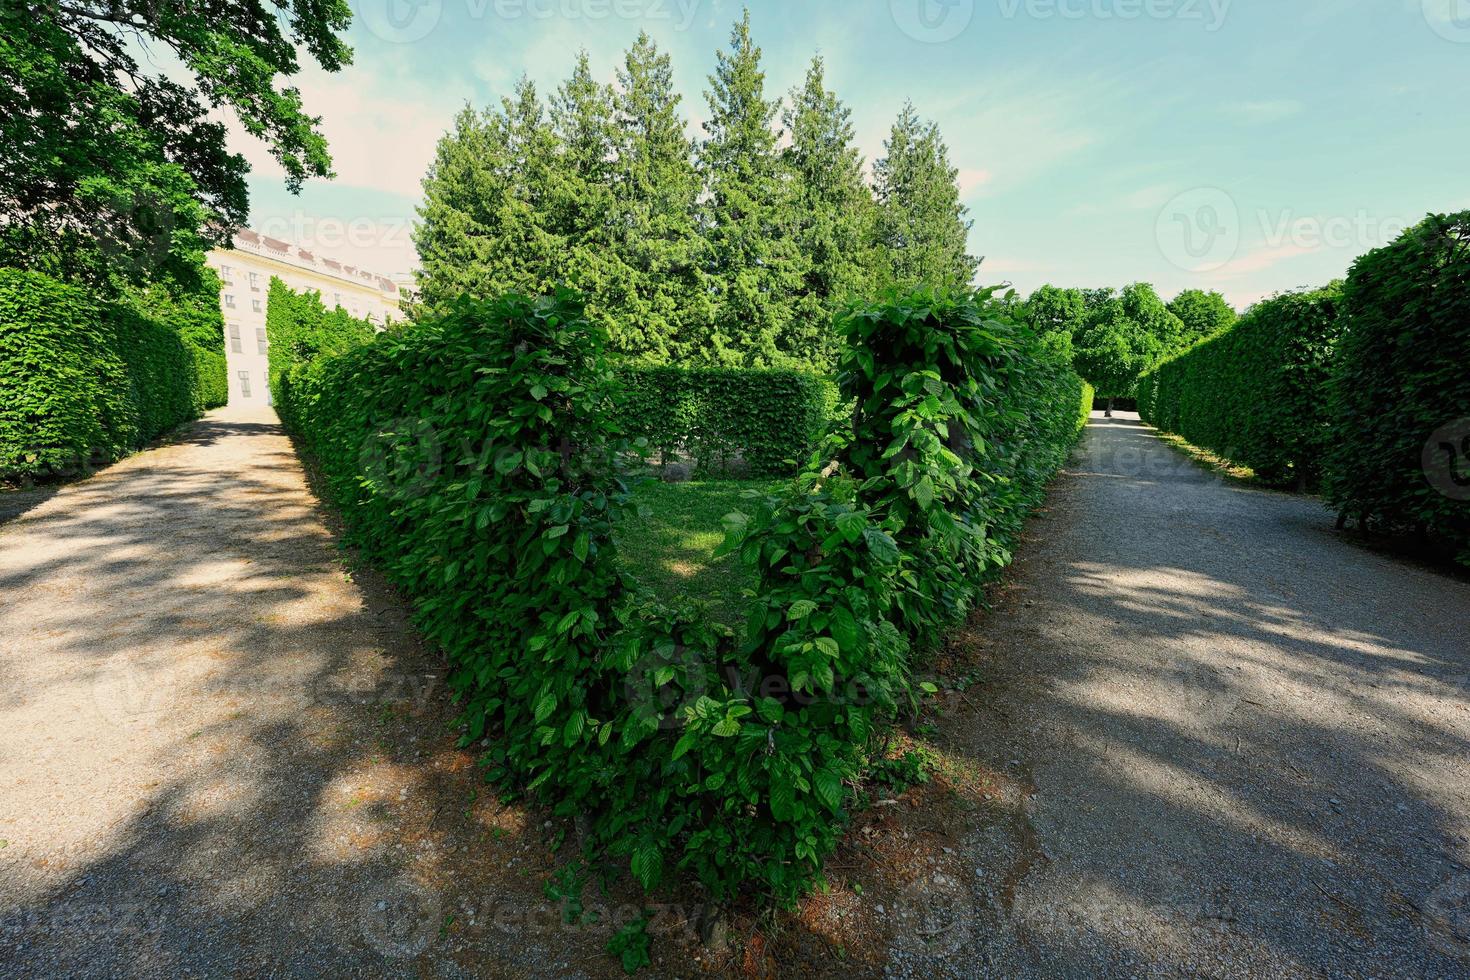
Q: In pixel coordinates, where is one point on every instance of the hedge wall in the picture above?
(1400, 390)
(299, 328)
(474, 457)
(195, 315)
(766, 422)
(1256, 393)
(84, 381)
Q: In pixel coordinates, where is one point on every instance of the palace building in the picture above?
(245, 274)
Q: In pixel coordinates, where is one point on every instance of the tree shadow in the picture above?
(227, 753)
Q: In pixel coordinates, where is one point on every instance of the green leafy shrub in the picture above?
(299, 328)
(767, 420)
(1257, 392)
(194, 313)
(84, 381)
(1400, 390)
(474, 457)
(962, 417)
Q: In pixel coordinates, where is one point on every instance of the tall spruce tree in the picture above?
(658, 307)
(754, 264)
(582, 201)
(487, 223)
(921, 225)
(833, 212)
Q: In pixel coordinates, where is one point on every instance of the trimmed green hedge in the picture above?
(474, 457)
(764, 421)
(1257, 392)
(299, 328)
(195, 315)
(81, 381)
(1400, 391)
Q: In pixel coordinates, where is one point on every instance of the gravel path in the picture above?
(1243, 742)
(1233, 744)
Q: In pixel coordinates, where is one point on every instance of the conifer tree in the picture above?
(922, 227)
(754, 266)
(486, 224)
(833, 211)
(658, 306)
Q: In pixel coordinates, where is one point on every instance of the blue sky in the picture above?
(1241, 145)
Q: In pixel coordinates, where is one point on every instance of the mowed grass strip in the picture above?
(670, 546)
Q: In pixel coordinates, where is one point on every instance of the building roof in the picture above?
(254, 243)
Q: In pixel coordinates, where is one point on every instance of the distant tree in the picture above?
(110, 173)
(1141, 304)
(1203, 314)
(921, 230)
(754, 265)
(655, 233)
(833, 211)
(490, 220)
(1114, 346)
(1054, 310)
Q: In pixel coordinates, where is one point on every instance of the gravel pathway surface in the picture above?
(1243, 742)
(222, 752)
(1228, 743)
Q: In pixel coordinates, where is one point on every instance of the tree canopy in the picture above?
(922, 228)
(111, 173)
(736, 249)
(1202, 313)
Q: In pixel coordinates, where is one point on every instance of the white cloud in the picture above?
(380, 131)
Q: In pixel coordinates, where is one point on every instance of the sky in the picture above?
(1246, 146)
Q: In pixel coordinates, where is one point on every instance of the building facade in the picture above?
(245, 275)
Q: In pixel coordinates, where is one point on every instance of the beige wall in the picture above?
(245, 274)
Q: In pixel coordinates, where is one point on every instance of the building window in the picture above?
(255, 282)
(260, 342)
(244, 384)
(235, 338)
(255, 305)
(336, 299)
(226, 274)
(229, 301)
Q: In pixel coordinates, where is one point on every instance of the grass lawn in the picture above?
(671, 549)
